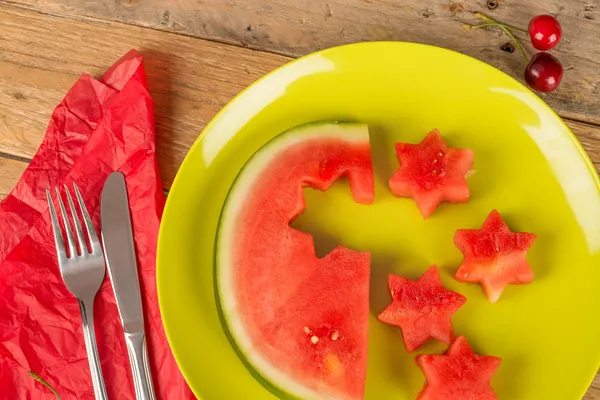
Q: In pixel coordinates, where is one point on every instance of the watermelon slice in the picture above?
(299, 321)
(494, 256)
(460, 374)
(431, 173)
(422, 309)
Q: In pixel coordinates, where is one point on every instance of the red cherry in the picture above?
(544, 72)
(545, 32)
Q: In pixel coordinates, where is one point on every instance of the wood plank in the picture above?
(171, 155)
(10, 172)
(37, 69)
(593, 392)
(589, 136)
(298, 27)
(190, 79)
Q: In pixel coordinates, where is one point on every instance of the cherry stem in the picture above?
(468, 27)
(43, 382)
(504, 27)
(493, 21)
(509, 33)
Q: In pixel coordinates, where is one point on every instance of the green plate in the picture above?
(528, 165)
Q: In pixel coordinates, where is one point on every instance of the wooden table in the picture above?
(199, 54)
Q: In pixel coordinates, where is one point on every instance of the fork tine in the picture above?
(58, 238)
(82, 243)
(89, 226)
(70, 241)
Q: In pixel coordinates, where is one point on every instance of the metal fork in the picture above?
(83, 273)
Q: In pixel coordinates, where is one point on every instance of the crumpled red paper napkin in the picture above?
(101, 126)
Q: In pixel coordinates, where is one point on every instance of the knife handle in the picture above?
(138, 356)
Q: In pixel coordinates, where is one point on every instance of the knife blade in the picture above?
(119, 251)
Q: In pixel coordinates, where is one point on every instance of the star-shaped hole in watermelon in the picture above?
(460, 374)
(494, 256)
(422, 309)
(430, 172)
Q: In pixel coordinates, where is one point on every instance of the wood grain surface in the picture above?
(10, 172)
(191, 79)
(298, 27)
(593, 392)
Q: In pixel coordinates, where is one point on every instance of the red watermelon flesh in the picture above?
(422, 309)
(494, 256)
(430, 172)
(460, 374)
(300, 321)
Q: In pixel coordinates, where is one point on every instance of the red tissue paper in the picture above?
(101, 126)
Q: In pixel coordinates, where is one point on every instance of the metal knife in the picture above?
(119, 250)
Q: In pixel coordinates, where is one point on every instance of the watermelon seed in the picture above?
(314, 340)
(335, 335)
(306, 330)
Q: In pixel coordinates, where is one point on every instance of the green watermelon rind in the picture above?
(355, 132)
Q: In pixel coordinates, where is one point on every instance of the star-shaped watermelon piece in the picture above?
(494, 256)
(460, 374)
(430, 172)
(422, 309)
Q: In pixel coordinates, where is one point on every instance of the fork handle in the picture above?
(138, 356)
(87, 317)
